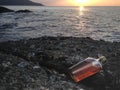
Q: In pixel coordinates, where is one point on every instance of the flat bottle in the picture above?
(86, 68)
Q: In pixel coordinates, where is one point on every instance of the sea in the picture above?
(94, 22)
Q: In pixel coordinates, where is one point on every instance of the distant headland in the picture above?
(19, 2)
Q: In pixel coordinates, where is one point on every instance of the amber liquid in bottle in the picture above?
(84, 69)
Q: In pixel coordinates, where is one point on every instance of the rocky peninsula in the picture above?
(6, 10)
(20, 2)
(3, 10)
(42, 63)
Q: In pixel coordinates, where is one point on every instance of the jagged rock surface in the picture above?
(53, 55)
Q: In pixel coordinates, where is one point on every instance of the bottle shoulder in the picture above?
(94, 62)
(90, 59)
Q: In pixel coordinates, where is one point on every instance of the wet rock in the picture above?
(23, 11)
(3, 10)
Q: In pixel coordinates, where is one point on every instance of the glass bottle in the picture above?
(86, 68)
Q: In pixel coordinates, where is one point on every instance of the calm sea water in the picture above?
(95, 22)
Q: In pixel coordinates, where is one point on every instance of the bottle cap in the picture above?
(102, 59)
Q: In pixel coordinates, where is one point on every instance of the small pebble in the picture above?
(36, 67)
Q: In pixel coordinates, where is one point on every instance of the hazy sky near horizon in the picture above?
(76, 3)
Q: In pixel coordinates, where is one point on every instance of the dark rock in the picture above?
(18, 74)
(56, 54)
(3, 10)
(23, 11)
(23, 64)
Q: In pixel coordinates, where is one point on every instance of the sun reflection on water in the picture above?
(81, 10)
(81, 23)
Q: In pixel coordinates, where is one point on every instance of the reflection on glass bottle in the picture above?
(86, 68)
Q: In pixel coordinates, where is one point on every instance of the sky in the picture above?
(79, 2)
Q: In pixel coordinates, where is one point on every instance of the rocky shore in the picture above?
(42, 63)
